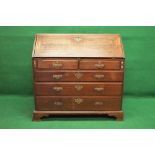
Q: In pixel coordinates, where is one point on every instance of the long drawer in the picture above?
(78, 88)
(56, 76)
(78, 103)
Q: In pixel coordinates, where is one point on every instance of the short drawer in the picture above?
(99, 64)
(79, 103)
(47, 76)
(97, 103)
(56, 64)
(53, 103)
(82, 89)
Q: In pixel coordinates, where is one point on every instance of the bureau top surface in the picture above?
(78, 45)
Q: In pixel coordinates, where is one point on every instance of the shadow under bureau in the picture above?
(78, 74)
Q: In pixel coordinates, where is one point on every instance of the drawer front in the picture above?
(43, 76)
(97, 103)
(83, 89)
(99, 64)
(53, 103)
(78, 103)
(57, 64)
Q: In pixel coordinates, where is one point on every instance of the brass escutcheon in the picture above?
(77, 39)
(78, 100)
(78, 87)
(35, 64)
(78, 75)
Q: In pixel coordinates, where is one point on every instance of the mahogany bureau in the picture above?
(78, 74)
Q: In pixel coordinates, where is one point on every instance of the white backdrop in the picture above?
(77, 13)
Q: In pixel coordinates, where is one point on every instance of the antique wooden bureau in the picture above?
(78, 74)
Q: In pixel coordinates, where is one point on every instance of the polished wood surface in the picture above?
(81, 88)
(57, 64)
(77, 103)
(78, 74)
(99, 64)
(78, 45)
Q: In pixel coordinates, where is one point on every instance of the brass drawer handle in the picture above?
(98, 89)
(58, 89)
(99, 65)
(78, 100)
(57, 103)
(98, 76)
(78, 87)
(57, 65)
(57, 77)
(98, 103)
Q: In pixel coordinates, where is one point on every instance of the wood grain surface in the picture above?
(78, 74)
(78, 45)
